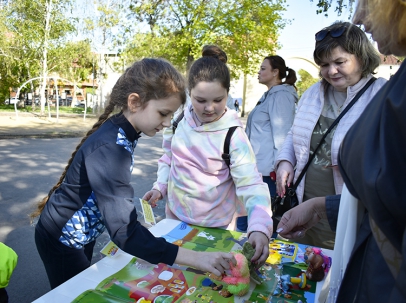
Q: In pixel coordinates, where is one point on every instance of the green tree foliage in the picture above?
(35, 28)
(102, 20)
(247, 30)
(250, 32)
(325, 5)
(76, 62)
(306, 80)
(178, 29)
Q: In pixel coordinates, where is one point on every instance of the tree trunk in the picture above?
(244, 93)
(45, 55)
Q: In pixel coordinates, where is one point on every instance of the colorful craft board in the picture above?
(142, 282)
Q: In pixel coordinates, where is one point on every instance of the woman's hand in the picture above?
(216, 263)
(152, 197)
(299, 219)
(260, 242)
(284, 176)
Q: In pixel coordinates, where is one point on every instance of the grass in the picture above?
(62, 109)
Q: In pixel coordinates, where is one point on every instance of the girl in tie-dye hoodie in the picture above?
(200, 188)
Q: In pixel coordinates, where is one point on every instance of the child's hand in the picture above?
(152, 197)
(260, 242)
(216, 263)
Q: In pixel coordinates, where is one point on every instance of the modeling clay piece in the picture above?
(315, 271)
(239, 281)
(248, 251)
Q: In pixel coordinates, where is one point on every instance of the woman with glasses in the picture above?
(270, 120)
(347, 60)
(372, 161)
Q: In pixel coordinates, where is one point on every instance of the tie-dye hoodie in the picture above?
(199, 186)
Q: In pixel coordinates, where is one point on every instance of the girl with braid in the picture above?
(94, 191)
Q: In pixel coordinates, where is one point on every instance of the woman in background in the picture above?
(271, 119)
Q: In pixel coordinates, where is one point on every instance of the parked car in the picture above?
(11, 100)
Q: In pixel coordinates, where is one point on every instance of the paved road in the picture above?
(30, 164)
(29, 168)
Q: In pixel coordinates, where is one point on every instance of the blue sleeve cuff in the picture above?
(332, 206)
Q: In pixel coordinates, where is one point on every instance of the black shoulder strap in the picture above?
(226, 148)
(346, 109)
(177, 120)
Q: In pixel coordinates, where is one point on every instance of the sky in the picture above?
(297, 38)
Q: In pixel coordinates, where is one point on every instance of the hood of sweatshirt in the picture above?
(286, 88)
(229, 119)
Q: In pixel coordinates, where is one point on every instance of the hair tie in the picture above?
(287, 70)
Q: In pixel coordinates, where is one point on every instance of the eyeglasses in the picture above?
(335, 33)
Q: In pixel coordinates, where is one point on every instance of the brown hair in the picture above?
(353, 41)
(214, 51)
(211, 67)
(150, 79)
(277, 62)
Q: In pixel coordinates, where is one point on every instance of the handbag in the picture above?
(280, 205)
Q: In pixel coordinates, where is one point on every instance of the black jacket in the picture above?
(101, 172)
(373, 164)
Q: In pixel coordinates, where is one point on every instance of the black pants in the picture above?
(3, 295)
(61, 262)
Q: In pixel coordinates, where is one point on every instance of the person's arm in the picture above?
(253, 192)
(109, 175)
(8, 261)
(284, 176)
(213, 262)
(332, 206)
(111, 185)
(286, 152)
(299, 219)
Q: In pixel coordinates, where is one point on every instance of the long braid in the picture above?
(103, 117)
(150, 79)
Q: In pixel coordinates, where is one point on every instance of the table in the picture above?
(91, 277)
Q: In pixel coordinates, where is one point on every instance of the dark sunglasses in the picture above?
(335, 33)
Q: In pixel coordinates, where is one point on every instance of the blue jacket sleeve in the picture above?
(110, 182)
(332, 206)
